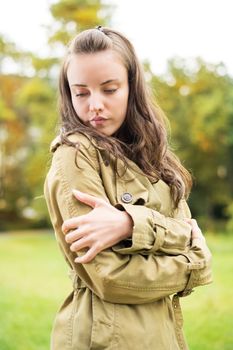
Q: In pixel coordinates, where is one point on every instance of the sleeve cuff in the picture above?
(146, 237)
(153, 232)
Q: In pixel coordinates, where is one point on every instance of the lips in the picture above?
(98, 120)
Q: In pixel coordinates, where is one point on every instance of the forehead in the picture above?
(95, 67)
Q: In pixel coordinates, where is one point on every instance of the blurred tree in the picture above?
(7, 50)
(198, 100)
(36, 103)
(12, 132)
(72, 16)
(28, 113)
(196, 96)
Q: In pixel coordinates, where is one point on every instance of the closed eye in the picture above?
(110, 91)
(81, 95)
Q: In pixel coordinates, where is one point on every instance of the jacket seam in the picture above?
(122, 284)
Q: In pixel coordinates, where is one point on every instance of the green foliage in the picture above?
(34, 284)
(76, 15)
(8, 48)
(196, 96)
(28, 115)
(5, 112)
(43, 66)
(25, 147)
(229, 212)
(199, 105)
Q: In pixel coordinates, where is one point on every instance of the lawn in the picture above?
(34, 283)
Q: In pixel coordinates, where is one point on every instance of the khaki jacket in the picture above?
(121, 300)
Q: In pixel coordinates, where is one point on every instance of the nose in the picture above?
(96, 103)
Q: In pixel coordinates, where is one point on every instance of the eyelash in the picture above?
(80, 95)
(109, 91)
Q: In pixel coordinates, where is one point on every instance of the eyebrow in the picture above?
(104, 83)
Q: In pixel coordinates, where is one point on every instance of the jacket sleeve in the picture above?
(154, 232)
(115, 277)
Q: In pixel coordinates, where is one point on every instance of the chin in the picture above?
(104, 133)
(107, 132)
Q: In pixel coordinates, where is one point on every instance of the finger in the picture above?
(75, 235)
(73, 223)
(187, 220)
(194, 221)
(88, 256)
(196, 231)
(80, 244)
(88, 199)
(194, 224)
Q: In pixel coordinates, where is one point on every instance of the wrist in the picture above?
(127, 225)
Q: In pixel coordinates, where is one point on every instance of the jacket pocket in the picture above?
(102, 335)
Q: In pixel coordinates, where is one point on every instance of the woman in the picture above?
(116, 197)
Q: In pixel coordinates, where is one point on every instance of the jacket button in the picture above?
(126, 197)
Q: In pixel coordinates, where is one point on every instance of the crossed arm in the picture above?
(103, 227)
(133, 275)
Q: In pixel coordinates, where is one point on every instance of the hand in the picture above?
(101, 228)
(196, 231)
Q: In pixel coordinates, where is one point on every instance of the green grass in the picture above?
(209, 310)
(34, 283)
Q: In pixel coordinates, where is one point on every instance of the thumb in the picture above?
(92, 201)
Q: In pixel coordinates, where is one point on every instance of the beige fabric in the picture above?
(121, 300)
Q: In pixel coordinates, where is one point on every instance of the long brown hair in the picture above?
(142, 137)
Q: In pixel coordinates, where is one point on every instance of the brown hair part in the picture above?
(142, 137)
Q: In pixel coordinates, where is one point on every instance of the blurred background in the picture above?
(186, 51)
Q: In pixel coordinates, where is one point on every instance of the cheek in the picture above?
(123, 102)
(77, 107)
(73, 102)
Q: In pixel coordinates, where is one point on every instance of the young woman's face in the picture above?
(99, 89)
